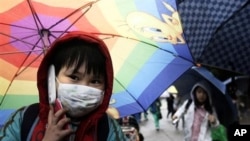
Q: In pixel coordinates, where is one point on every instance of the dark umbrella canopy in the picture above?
(187, 80)
(242, 84)
(217, 32)
(221, 101)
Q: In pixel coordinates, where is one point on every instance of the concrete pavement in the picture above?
(167, 129)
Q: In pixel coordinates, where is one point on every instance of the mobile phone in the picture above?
(57, 105)
(52, 92)
(52, 84)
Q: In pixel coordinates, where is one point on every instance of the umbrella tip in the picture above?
(198, 64)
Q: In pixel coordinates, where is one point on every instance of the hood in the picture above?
(205, 86)
(42, 74)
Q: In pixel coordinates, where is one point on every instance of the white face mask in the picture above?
(79, 99)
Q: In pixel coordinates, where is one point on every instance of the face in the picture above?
(67, 75)
(79, 98)
(232, 89)
(201, 95)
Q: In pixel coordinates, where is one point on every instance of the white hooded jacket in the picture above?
(205, 129)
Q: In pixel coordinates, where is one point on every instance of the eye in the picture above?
(96, 81)
(74, 77)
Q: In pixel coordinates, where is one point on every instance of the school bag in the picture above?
(31, 115)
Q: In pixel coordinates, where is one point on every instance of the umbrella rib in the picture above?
(20, 71)
(27, 51)
(17, 26)
(115, 35)
(72, 13)
(34, 15)
(130, 94)
(69, 26)
(17, 73)
(66, 30)
(18, 39)
(38, 22)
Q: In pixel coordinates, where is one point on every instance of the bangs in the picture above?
(77, 52)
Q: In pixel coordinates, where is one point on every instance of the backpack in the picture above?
(31, 115)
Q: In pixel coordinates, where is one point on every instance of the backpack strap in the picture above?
(102, 130)
(188, 104)
(116, 132)
(29, 118)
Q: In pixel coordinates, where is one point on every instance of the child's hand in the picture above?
(211, 119)
(55, 130)
(174, 117)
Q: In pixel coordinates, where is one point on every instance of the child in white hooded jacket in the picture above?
(200, 116)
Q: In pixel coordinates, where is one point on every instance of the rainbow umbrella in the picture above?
(145, 40)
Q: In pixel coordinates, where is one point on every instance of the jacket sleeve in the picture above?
(12, 128)
(181, 109)
(217, 122)
(115, 131)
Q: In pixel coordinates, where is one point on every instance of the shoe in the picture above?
(157, 129)
(176, 128)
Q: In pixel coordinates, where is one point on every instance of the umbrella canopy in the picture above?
(187, 80)
(222, 102)
(145, 41)
(170, 90)
(217, 32)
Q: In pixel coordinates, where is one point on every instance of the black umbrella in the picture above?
(217, 32)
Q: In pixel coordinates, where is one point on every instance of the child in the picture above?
(131, 128)
(84, 80)
(155, 109)
(199, 116)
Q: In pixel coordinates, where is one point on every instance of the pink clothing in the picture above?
(199, 116)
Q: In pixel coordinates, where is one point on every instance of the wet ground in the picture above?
(167, 131)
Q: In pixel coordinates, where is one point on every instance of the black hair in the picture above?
(207, 104)
(131, 121)
(141, 137)
(75, 52)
